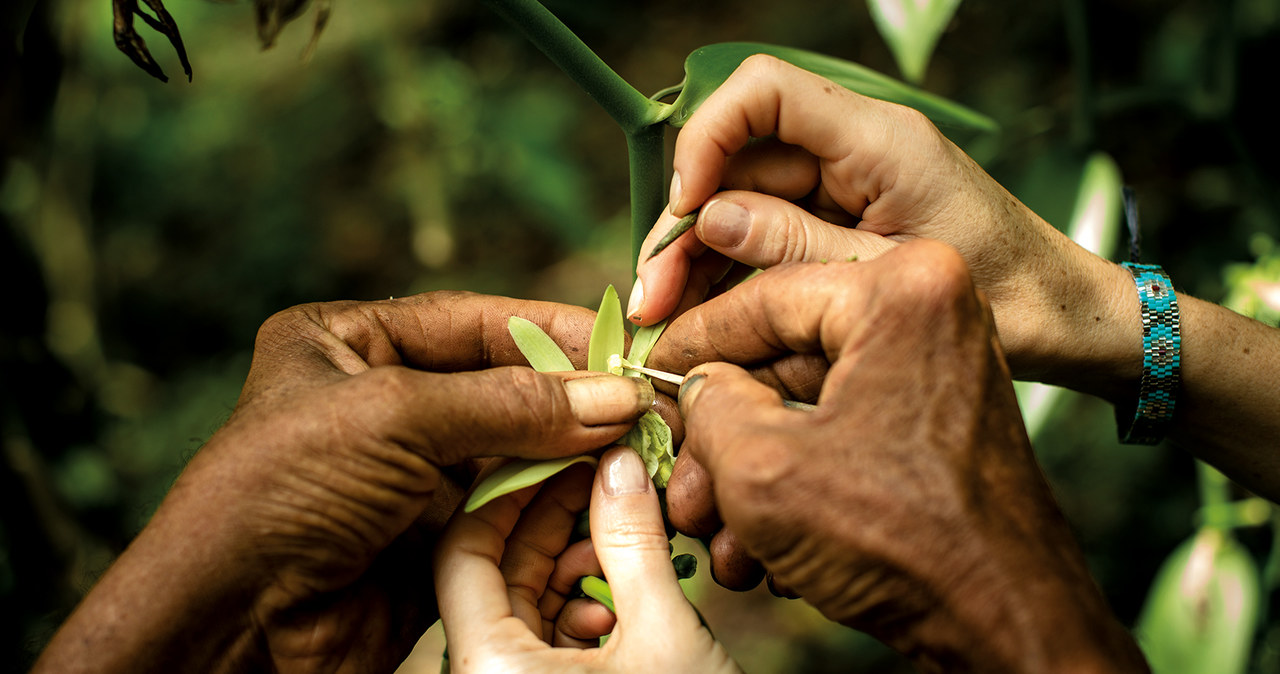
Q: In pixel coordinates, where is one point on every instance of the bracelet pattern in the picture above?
(1161, 355)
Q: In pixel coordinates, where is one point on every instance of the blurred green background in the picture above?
(147, 229)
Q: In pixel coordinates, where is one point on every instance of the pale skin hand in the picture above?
(503, 573)
(299, 538)
(837, 160)
(909, 504)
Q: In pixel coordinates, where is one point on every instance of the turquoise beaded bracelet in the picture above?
(1161, 356)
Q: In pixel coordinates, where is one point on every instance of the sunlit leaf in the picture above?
(708, 67)
(912, 28)
(608, 336)
(1200, 615)
(517, 475)
(651, 438)
(642, 342)
(538, 348)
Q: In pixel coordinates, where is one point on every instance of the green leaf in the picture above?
(597, 589)
(651, 438)
(608, 336)
(517, 475)
(1203, 607)
(912, 29)
(708, 67)
(538, 348)
(643, 341)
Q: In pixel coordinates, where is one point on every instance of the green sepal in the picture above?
(519, 474)
(543, 354)
(708, 67)
(608, 336)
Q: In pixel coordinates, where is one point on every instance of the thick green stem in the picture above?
(631, 109)
(641, 119)
(646, 154)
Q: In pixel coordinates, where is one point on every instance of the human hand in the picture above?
(504, 571)
(299, 536)
(834, 175)
(908, 504)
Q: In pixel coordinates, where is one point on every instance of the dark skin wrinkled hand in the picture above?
(132, 44)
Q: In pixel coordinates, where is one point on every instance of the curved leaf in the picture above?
(517, 475)
(542, 352)
(708, 67)
(608, 336)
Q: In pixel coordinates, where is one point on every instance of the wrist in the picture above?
(1076, 324)
(177, 599)
(1038, 612)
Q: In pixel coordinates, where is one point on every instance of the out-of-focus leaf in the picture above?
(651, 438)
(1254, 289)
(912, 28)
(1095, 224)
(708, 67)
(538, 348)
(608, 336)
(642, 342)
(517, 475)
(274, 15)
(1200, 615)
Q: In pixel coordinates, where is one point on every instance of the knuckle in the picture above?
(933, 276)
(760, 65)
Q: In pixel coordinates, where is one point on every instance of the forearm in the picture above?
(1079, 326)
(169, 603)
(1228, 409)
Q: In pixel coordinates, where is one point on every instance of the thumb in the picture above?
(763, 231)
(509, 411)
(725, 410)
(631, 543)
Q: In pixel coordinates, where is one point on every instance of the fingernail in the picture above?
(609, 399)
(624, 472)
(689, 389)
(636, 303)
(724, 224)
(675, 193)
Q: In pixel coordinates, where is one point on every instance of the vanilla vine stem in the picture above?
(641, 119)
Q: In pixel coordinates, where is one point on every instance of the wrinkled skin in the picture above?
(909, 504)
(299, 538)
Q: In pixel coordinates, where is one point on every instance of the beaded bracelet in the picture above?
(1161, 356)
